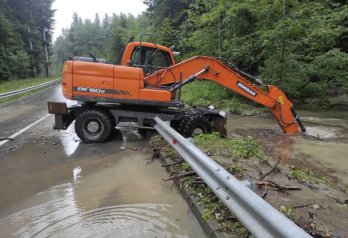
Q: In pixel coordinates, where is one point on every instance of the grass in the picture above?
(238, 148)
(12, 85)
(307, 176)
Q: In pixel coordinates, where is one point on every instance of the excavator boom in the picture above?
(210, 68)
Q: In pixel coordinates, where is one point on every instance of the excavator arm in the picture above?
(212, 69)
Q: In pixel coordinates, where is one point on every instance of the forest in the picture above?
(23, 25)
(299, 45)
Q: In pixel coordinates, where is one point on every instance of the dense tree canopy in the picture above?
(104, 37)
(298, 45)
(22, 23)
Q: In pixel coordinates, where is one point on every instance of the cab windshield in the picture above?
(150, 59)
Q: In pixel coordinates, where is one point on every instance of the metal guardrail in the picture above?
(24, 90)
(258, 216)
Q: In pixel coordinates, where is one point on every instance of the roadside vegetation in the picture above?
(12, 85)
(22, 44)
(206, 93)
(302, 194)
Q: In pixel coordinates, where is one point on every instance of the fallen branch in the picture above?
(255, 167)
(12, 148)
(302, 206)
(155, 155)
(267, 163)
(177, 176)
(275, 185)
(273, 168)
(132, 148)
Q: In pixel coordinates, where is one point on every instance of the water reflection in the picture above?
(76, 173)
(121, 138)
(104, 192)
(60, 216)
(69, 140)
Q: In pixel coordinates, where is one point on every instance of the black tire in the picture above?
(94, 126)
(193, 123)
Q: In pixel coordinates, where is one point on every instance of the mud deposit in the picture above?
(315, 162)
(55, 186)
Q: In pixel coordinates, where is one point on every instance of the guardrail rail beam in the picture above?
(258, 216)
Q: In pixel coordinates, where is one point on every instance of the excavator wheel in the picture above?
(193, 123)
(94, 126)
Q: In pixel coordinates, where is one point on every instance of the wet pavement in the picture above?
(53, 185)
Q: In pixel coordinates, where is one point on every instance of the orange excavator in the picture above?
(146, 84)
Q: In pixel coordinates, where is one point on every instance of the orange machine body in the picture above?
(98, 82)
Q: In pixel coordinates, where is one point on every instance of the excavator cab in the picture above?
(150, 59)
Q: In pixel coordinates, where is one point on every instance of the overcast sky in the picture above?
(88, 8)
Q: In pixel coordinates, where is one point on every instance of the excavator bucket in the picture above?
(219, 124)
(284, 113)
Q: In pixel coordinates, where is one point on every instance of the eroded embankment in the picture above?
(304, 176)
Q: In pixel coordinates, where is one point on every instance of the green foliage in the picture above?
(215, 144)
(205, 93)
(11, 85)
(166, 150)
(239, 148)
(286, 210)
(21, 26)
(207, 215)
(106, 38)
(307, 176)
(236, 169)
(15, 84)
(246, 147)
(296, 45)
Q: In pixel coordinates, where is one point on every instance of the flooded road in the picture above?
(315, 162)
(324, 145)
(52, 185)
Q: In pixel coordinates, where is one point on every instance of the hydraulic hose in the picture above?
(297, 118)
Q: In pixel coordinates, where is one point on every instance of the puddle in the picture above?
(326, 158)
(65, 188)
(326, 155)
(322, 132)
(58, 215)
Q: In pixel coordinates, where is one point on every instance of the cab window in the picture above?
(150, 59)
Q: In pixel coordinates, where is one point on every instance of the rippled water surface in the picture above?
(60, 215)
(65, 188)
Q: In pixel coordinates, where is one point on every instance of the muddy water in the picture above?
(56, 186)
(324, 146)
